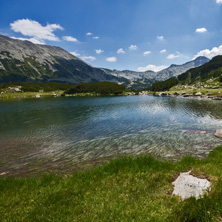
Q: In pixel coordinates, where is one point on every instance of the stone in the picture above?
(176, 94)
(198, 94)
(218, 133)
(162, 94)
(196, 132)
(187, 186)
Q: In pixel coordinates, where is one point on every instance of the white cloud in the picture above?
(120, 51)
(163, 51)
(210, 53)
(75, 53)
(201, 30)
(219, 1)
(146, 53)
(151, 68)
(160, 38)
(99, 51)
(133, 47)
(34, 29)
(96, 37)
(91, 58)
(174, 56)
(111, 59)
(88, 33)
(70, 39)
(33, 40)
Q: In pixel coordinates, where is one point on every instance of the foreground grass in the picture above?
(125, 189)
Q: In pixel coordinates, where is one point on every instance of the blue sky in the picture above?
(120, 34)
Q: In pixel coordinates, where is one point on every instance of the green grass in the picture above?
(125, 189)
(189, 90)
(29, 94)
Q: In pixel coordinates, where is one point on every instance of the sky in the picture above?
(135, 35)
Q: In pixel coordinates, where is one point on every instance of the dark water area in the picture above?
(68, 134)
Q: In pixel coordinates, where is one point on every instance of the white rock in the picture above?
(187, 186)
(218, 133)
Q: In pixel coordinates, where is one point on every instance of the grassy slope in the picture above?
(126, 189)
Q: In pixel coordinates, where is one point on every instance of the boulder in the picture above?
(162, 94)
(218, 133)
(196, 132)
(176, 94)
(187, 186)
(198, 94)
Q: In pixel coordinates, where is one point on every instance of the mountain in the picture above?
(131, 75)
(206, 76)
(173, 70)
(23, 61)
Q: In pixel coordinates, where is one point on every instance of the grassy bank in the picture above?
(125, 189)
(29, 94)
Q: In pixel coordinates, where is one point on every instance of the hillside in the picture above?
(208, 75)
(23, 61)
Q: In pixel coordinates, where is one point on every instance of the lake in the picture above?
(67, 134)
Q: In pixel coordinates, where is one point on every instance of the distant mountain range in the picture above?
(173, 70)
(23, 61)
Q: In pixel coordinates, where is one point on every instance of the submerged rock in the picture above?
(196, 132)
(218, 133)
(187, 186)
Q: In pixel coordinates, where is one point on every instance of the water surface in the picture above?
(66, 134)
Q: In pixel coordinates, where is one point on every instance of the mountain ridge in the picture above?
(24, 61)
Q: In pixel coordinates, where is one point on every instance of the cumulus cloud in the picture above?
(111, 59)
(75, 53)
(163, 51)
(133, 47)
(34, 29)
(120, 51)
(96, 37)
(99, 51)
(70, 39)
(33, 40)
(174, 56)
(90, 58)
(160, 38)
(151, 68)
(88, 33)
(201, 30)
(146, 53)
(210, 53)
(219, 1)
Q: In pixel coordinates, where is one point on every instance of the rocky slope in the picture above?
(23, 61)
